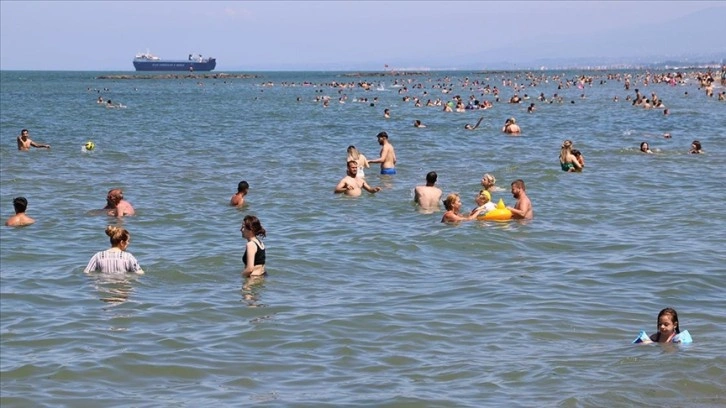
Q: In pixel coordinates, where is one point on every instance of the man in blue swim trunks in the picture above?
(388, 155)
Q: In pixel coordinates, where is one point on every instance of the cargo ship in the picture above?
(150, 62)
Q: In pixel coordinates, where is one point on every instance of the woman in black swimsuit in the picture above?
(254, 256)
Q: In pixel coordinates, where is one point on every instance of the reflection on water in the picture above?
(251, 291)
(113, 288)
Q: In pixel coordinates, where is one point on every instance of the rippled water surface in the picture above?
(368, 301)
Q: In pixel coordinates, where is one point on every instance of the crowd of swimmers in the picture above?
(117, 259)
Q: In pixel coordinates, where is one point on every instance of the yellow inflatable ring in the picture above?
(501, 213)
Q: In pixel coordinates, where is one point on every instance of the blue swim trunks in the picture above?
(391, 170)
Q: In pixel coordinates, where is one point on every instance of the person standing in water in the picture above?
(388, 155)
(254, 257)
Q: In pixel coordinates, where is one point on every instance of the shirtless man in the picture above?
(24, 142)
(388, 155)
(19, 219)
(522, 210)
(428, 196)
(238, 199)
(352, 185)
(116, 206)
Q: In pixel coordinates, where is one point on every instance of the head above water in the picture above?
(431, 177)
(20, 204)
(242, 187)
(669, 311)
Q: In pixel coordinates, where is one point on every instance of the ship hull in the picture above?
(161, 65)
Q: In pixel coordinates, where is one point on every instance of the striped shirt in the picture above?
(113, 260)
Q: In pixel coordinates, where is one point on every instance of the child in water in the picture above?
(580, 158)
(669, 330)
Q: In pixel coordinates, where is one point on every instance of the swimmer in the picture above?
(470, 127)
(387, 113)
(388, 155)
(568, 161)
(238, 199)
(254, 256)
(580, 158)
(116, 206)
(24, 142)
(453, 208)
(351, 185)
(511, 127)
(523, 208)
(695, 147)
(417, 123)
(115, 259)
(488, 182)
(645, 148)
(483, 202)
(19, 219)
(428, 196)
(668, 327)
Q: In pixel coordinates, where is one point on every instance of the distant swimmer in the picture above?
(470, 127)
(388, 155)
(523, 208)
(116, 206)
(695, 147)
(568, 161)
(352, 185)
(428, 196)
(387, 113)
(19, 219)
(24, 142)
(238, 199)
(417, 123)
(488, 182)
(644, 148)
(511, 127)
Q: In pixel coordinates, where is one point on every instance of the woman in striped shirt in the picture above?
(115, 259)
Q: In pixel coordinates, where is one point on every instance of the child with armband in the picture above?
(669, 330)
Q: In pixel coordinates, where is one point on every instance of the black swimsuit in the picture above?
(259, 255)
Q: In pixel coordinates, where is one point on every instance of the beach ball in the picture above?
(90, 145)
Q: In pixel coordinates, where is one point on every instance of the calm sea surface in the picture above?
(368, 302)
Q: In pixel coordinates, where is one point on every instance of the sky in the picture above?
(349, 35)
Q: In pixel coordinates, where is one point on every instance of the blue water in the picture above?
(368, 302)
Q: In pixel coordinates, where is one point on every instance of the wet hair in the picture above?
(489, 178)
(243, 186)
(117, 235)
(431, 177)
(697, 144)
(24, 131)
(643, 144)
(576, 153)
(20, 204)
(674, 317)
(253, 224)
(382, 134)
(519, 183)
(449, 201)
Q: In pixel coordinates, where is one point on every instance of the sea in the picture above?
(369, 301)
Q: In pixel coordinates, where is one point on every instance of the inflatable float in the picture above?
(501, 213)
(683, 337)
